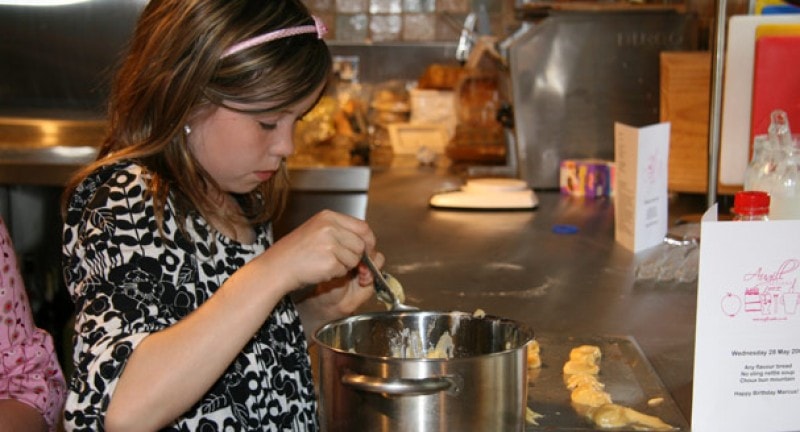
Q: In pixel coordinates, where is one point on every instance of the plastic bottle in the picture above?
(784, 182)
(751, 206)
(759, 171)
(785, 188)
(779, 131)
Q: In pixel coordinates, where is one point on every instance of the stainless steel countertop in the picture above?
(511, 264)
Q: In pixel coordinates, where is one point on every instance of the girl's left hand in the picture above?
(339, 297)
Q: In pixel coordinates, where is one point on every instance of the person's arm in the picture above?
(20, 417)
(32, 385)
(172, 369)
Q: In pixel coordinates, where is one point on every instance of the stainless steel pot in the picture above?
(374, 377)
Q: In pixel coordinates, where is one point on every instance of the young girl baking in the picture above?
(189, 315)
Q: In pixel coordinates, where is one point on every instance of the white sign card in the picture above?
(641, 156)
(747, 339)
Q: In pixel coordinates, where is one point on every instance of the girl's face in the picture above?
(240, 151)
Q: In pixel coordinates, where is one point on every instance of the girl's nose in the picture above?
(284, 144)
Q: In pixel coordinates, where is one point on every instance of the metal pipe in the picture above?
(716, 102)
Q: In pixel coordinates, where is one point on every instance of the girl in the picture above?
(188, 313)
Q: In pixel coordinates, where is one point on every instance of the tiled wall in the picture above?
(407, 20)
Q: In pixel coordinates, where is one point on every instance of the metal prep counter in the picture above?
(511, 264)
(508, 264)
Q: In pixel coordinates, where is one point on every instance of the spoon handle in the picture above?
(381, 285)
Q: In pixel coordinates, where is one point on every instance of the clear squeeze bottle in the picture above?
(785, 187)
(751, 206)
(784, 183)
(761, 168)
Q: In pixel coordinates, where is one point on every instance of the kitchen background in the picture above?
(56, 61)
(56, 55)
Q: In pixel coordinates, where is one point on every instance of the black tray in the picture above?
(627, 374)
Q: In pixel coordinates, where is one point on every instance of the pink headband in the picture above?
(319, 28)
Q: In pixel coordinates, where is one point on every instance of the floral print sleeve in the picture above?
(29, 369)
(129, 279)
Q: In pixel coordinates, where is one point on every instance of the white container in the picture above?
(434, 107)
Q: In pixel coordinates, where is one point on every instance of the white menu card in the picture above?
(747, 339)
(641, 156)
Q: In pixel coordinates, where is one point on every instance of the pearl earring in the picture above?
(187, 129)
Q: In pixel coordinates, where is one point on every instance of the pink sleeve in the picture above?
(29, 368)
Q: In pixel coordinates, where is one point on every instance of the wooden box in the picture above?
(685, 94)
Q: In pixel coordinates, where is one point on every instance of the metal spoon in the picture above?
(382, 287)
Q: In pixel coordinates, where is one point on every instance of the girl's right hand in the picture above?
(325, 247)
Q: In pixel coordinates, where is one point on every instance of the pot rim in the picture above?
(524, 329)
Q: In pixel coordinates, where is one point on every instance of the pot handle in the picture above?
(401, 386)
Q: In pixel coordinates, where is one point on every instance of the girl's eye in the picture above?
(267, 126)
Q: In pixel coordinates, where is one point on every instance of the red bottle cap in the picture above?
(751, 203)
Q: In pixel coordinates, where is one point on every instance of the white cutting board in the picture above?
(488, 194)
(737, 94)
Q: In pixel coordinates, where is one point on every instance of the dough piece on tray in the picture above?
(589, 398)
(578, 367)
(589, 354)
(612, 416)
(534, 361)
(534, 357)
(579, 380)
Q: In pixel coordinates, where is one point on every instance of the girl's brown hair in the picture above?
(174, 72)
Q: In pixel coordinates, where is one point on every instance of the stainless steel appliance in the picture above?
(575, 72)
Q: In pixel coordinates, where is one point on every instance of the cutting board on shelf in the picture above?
(775, 81)
(736, 113)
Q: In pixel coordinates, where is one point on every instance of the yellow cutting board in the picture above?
(786, 29)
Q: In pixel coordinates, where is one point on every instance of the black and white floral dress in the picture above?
(128, 280)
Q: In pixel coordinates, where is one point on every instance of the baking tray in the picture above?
(627, 374)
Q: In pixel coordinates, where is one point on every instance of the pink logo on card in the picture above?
(769, 295)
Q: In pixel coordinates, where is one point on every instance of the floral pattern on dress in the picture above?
(128, 279)
(29, 368)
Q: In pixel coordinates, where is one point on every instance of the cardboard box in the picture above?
(586, 177)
